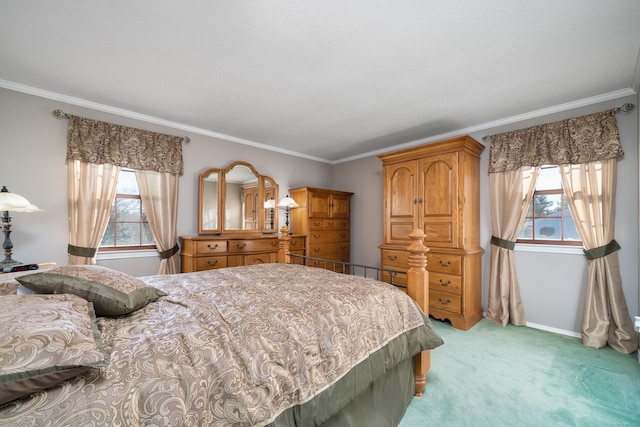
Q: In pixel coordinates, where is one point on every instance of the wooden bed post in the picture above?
(284, 245)
(418, 289)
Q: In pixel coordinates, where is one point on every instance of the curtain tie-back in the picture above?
(507, 244)
(169, 252)
(602, 251)
(80, 251)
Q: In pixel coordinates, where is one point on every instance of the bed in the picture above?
(264, 345)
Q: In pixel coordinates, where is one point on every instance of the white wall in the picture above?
(552, 285)
(33, 150)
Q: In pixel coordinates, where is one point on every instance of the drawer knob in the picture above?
(211, 264)
(212, 247)
(317, 224)
(241, 245)
(392, 257)
(330, 224)
(316, 236)
(316, 250)
(444, 264)
(274, 244)
(443, 283)
(445, 302)
(343, 235)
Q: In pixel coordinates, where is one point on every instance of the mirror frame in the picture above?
(222, 188)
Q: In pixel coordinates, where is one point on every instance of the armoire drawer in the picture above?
(329, 224)
(444, 263)
(395, 259)
(445, 283)
(445, 301)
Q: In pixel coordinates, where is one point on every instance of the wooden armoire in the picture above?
(324, 218)
(436, 187)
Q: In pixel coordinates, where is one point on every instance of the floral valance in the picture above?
(578, 140)
(93, 141)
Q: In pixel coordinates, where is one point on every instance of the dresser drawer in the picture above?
(336, 224)
(209, 262)
(296, 244)
(264, 245)
(259, 258)
(444, 263)
(328, 236)
(445, 282)
(445, 301)
(336, 251)
(211, 246)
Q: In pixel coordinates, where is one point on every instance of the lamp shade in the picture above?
(287, 202)
(270, 204)
(15, 202)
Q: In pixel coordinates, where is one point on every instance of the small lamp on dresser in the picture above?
(287, 203)
(15, 203)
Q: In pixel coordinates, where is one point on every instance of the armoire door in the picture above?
(401, 201)
(438, 200)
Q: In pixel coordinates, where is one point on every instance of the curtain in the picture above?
(159, 194)
(590, 189)
(573, 141)
(91, 189)
(586, 148)
(105, 147)
(511, 194)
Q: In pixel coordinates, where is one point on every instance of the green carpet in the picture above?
(519, 376)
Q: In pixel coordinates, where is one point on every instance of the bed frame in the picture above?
(417, 288)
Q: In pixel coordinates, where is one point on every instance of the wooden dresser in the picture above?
(324, 218)
(436, 187)
(206, 252)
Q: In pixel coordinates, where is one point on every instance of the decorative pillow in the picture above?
(44, 340)
(112, 292)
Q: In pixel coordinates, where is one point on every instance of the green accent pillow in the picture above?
(44, 340)
(112, 292)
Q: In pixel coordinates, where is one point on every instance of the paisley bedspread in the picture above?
(231, 347)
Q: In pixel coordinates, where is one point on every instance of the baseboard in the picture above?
(554, 330)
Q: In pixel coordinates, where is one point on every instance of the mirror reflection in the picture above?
(240, 199)
(209, 202)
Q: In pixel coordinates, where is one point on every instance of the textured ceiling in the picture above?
(330, 79)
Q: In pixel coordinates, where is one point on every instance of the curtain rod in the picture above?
(59, 114)
(625, 108)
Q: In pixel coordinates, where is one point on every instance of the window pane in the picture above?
(128, 234)
(107, 239)
(547, 204)
(128, 210)
(549, 179)
(548, 229)
(127, 183)
(147, 238)
(527, 230)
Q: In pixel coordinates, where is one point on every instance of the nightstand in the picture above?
(9, 284)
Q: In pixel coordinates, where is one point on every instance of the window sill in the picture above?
(550, 249)
(145, 253)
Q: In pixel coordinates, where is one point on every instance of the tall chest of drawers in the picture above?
(436, 187)
(207, 252)
(324, 217)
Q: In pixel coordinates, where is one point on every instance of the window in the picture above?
(549, 221)
(128, 227)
